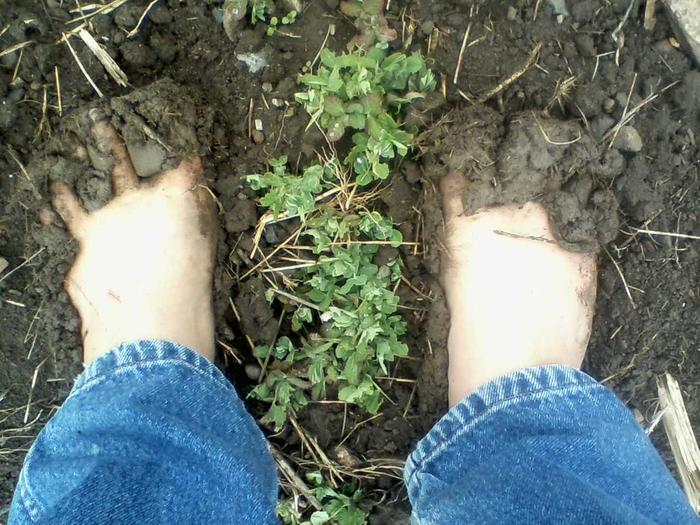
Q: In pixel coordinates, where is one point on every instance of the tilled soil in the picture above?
(550, 136)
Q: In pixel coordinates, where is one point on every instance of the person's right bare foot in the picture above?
(516, 298)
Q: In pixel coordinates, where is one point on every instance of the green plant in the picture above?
(340, 506)
(345, 317)
(259, 10)
(366, 91)
(369, 21)
(275, 22)
(293, 195)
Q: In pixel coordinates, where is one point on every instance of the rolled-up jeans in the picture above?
(154, 433)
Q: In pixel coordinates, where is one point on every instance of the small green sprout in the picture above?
(370, 22)
(366, 91)
(342, 506)
(275, 22)
(293, 195)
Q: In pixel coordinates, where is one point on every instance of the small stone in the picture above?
(253, 372)
(258, 136)
(3, 264)
(628, 139)
(609, 105)
(147, 157)
(512, 13)
(267, 87)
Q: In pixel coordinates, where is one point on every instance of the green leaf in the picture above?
(319, 517)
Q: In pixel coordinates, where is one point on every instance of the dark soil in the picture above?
(190, 92)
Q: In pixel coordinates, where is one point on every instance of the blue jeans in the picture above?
(154, 433)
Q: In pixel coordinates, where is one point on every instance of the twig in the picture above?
(58, 91)
(16, 47)
(295, 299)
(135, 30)
(680, 436)
(21, 265)
(31, 390)
(294, 479)
(107, 61)
(525, 237)
(622, 276)
(618, 29)
(668, 234)
(531, 60)
(650, 15)
(633, 112)
(461, 53)
(331, 29)
(82, 68)
(550, 141)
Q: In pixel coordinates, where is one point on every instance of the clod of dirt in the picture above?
(530, 158)
(257, 317)
(628, 139)
(160, 122)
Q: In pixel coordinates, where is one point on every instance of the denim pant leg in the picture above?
(151, 433)
(542, 445)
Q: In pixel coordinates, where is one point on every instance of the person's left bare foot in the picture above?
(145, 265)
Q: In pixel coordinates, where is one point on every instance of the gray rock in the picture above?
(628, 139)
(253, 372)
(512, 13)
(686, 23)
(3, 264)
(559, 7)
(148, 157)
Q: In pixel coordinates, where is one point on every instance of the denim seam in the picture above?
(138, 364)
(452, 419)
(26, 496)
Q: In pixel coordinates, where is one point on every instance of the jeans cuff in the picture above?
(147, 353)
(487, 401)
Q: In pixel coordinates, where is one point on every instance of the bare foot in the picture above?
(144, 270)
(516, 299)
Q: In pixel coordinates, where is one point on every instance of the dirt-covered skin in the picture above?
(188, 91)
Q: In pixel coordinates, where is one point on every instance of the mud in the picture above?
(544, 137)
(529, 157)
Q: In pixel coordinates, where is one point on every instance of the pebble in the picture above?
(609, 105)
(628, 139)
(253, 372)
(3, 264)
(512, 13)
(258, 136)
